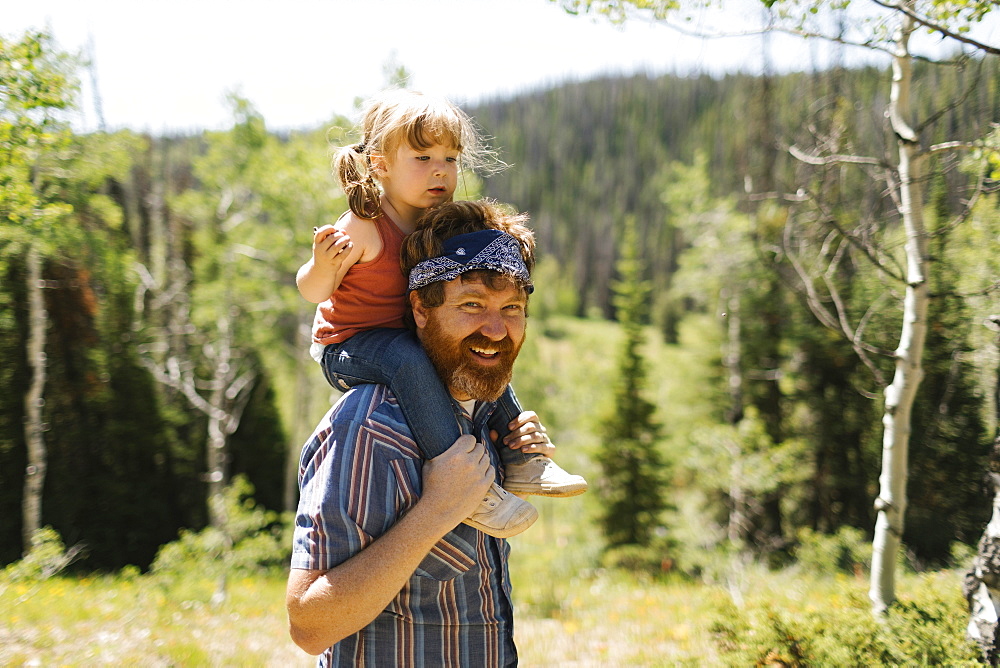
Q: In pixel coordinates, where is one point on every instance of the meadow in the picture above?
(572, 607)
(569, 613)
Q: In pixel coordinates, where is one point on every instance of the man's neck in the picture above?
(469, 406)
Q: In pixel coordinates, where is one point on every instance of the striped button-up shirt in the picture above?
(359, 472)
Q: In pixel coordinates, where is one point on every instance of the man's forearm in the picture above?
(327, 606)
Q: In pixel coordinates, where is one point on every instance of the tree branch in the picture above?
(821, 161)
(829, 219)
(853, 336)
(955, 104)
(937, 27)
(813, 299)
(807, 34)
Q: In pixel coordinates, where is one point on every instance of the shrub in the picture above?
(252, 540)
(925, 630)
(647, 559)
(847, 551)
(47, 557)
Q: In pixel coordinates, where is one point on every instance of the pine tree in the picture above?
(632, 484)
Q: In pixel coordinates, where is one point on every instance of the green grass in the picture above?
(110, 620)
(569, 611)
(585, 617)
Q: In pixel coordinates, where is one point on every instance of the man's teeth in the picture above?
(483, 351)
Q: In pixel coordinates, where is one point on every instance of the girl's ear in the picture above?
(419, 310)
(378, 163)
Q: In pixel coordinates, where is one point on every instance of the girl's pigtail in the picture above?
(350, 164)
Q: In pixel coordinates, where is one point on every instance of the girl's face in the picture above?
(416, 179)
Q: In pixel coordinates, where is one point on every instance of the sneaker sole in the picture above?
(543, 490)
(503, 533)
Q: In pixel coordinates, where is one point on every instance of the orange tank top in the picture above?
(372, 294)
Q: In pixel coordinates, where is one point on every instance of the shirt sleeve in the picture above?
(350, 494)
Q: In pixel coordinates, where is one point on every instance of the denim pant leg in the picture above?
(508, 408)
(394, 357)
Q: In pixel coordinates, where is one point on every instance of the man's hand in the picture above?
(325, 606)
(456, 481)
(528, 435)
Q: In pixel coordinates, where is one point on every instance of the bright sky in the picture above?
(167, 65)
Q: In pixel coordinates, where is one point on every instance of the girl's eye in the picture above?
(452, 159)
(423, 157)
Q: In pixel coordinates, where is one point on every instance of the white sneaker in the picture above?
(543, 477)
(502, 514)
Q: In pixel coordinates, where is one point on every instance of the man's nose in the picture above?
(493, 326)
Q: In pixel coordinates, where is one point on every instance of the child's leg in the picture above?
(394, 357)
(529, 473)
(507, 409)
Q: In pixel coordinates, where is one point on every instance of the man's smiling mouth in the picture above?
(484, 352)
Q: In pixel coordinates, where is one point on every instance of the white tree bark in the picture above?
(34, 474)
(221, 397)
(899, 395)
(982, 582)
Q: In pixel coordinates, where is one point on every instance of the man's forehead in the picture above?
(501, 287)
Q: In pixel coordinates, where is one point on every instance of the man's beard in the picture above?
(460, 373)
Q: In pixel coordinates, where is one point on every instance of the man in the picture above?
(383, 570)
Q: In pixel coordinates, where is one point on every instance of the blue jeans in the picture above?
(394, 357)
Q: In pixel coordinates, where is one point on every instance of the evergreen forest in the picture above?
(692, 246)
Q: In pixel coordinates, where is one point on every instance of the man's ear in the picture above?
(419, 310)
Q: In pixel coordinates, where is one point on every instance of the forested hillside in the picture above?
(173, 340)
(586, 154)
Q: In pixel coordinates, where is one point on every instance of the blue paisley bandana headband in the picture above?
(485, 249)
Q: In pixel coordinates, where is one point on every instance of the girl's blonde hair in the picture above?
(421, 121)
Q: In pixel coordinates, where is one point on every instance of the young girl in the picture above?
(410, 146)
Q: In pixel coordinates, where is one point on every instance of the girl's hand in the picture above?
(330, 247)
(527, 434)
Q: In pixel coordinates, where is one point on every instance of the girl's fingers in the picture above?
(525, 418)
(339, 244)
(529, 430)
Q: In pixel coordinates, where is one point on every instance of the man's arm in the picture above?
(327, 606)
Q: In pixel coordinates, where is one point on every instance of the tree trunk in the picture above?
(982, 583)
(899, 395)
(739, 520)
(216, 458)
(305, 367)
(34, 474)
